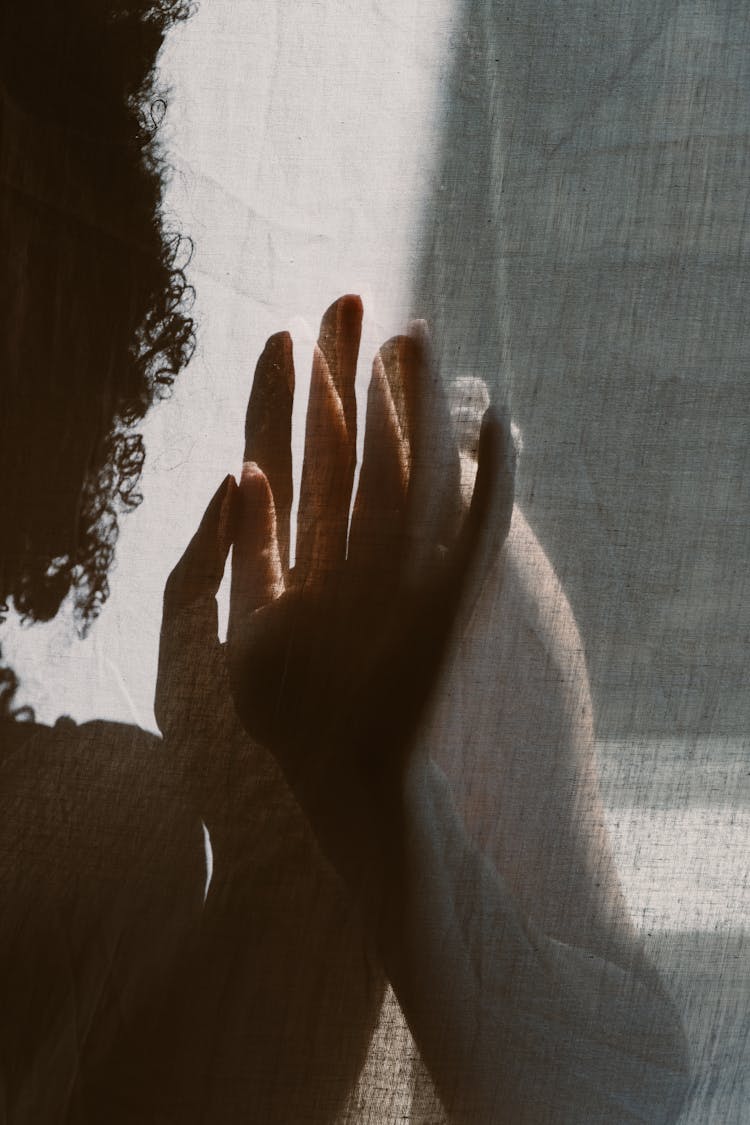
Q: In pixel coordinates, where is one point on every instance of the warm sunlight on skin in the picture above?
(423, 630)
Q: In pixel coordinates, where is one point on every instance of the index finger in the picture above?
(268, 429)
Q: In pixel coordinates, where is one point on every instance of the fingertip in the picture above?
(268, 427)
(490, 425)
(256, 564)
(256, 515)
(341, 319)
(488, 458)
(403, 348)
(339, 339)
(351, 314)
(249, 471)
(498, 441)
(492, 502)
(419, 334)
(279, 354)
(348, 307)
(227, 515)
(403, 363)
(216, 515)
(256, 510)
(201, 568)
(269, 406)
(419, 331)
(253, 485)
(279, 340)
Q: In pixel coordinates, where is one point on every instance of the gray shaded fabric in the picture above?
(585, 249)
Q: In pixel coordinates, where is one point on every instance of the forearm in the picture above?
(511, 1024)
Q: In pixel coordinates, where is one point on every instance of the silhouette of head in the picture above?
(93, 302)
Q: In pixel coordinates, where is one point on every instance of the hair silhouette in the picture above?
(94, 300)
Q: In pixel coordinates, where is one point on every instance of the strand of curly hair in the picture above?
(94, 298)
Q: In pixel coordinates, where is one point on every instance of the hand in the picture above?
(193, 702)
(333, 662)
(275, 902)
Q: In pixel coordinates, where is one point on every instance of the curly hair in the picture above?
(93, 296)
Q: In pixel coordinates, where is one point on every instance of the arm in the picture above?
(514, 1025)
(515, 885)
(277, 1003)
(332, 666)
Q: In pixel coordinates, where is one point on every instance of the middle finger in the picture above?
(330, 444)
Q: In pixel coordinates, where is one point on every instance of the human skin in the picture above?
(260, 836)
(380, 812)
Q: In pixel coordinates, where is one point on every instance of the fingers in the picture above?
(201, 568)
(257, 574)
(189, 640)
(488, 521)
(428, 619)
(330, 445)
(376, 539)
(492, 501)
(469, 399)
(268, 429)
(436, 453)
(435, 506)
(340, 332)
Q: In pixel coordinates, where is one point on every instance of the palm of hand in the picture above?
(331, 663)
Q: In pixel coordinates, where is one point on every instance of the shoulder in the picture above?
(102, 795)
(98, 755)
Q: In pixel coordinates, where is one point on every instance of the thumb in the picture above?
(189, 629)
(200, 570)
